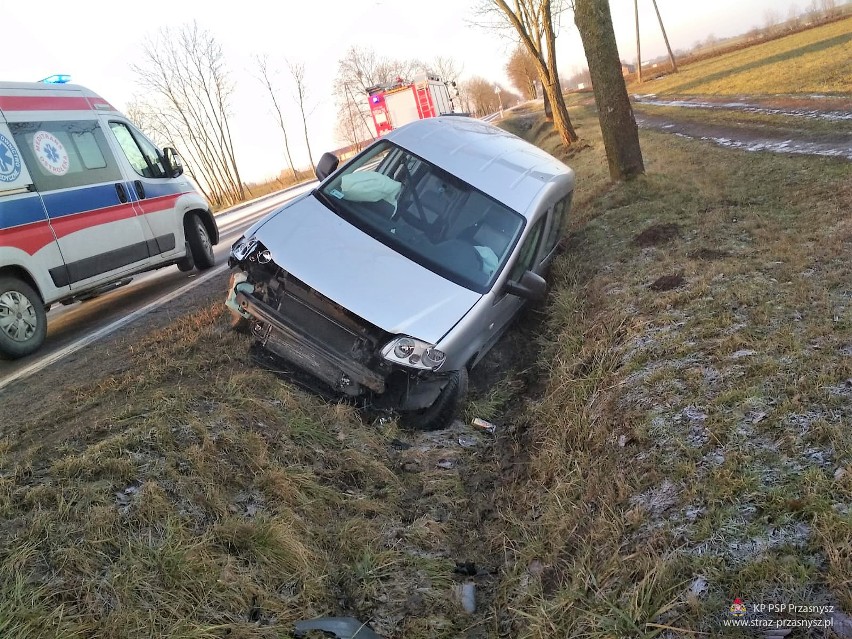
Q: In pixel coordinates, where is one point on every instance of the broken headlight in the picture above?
(413, 353)
(242, 247)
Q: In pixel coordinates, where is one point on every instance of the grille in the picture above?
(321, 327)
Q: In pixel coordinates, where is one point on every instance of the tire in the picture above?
(186, 263)
(23, 321)
(442, 412)
(199, 241)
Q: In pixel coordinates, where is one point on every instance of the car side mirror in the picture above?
(531, 287)
(172, 162)
(327, 165)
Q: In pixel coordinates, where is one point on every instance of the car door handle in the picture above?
(140, 189)
(122, 193)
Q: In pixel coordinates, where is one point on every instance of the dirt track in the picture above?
(752, 137)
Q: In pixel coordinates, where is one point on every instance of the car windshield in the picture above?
(426, 214)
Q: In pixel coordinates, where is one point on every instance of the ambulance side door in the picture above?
(154, 192)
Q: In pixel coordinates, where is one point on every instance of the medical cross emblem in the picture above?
(10, 162)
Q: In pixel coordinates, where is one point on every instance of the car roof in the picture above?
(492, 160)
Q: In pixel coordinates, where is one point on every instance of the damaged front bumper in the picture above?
(280, 336)
(326, 343)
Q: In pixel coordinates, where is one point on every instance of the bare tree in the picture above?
(618, 125)
(793, 17)
(266, 81)
(533, 21)
(829, 8)
(522, 71)
(771, 19)
(361, 69)
(446, 68)
(297, 70)
(351, 129)
(187, 102)
(482, 95)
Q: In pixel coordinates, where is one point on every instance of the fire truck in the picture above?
(397, 103)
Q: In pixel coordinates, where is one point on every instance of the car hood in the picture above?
(361, 274)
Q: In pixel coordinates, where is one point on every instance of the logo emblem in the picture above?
(10, 161)
(50, 153)
(738, 608)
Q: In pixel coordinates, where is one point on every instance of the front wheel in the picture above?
(444, 409)
(199, 241)
(23, 321)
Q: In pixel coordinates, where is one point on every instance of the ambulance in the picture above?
(86, 202)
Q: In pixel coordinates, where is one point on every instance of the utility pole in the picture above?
(665, 37)
(638, 46)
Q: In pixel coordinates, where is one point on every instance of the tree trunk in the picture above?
(548, 111)
(545, 61)
(561, 121)
(620, 134)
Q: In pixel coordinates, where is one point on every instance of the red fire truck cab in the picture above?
(401, 102)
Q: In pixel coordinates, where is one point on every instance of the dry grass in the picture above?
(194, 495)
(688, 446)
(811, 61)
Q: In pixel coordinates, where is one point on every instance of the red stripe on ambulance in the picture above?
(27, 237)
(154, 204)
(44, 103)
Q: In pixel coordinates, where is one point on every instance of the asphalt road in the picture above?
(72, 327)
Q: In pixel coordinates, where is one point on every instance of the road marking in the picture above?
(106, 330)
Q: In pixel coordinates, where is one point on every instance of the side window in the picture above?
(528, 251)
(557, 222)
(143, 156)
(62, 155)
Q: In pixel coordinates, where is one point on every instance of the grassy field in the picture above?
(690, 444)
(815, 61)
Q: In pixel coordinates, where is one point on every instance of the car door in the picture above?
(507, 306)
(86, 198)
(556, 217)
(153, 191)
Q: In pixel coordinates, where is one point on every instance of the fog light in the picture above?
(433, 357)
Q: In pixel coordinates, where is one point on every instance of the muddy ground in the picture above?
(751, 137)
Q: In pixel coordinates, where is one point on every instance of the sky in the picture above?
(97, 43)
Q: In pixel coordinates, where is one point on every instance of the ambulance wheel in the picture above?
(186, 263)
(23, 322)
(199, 241)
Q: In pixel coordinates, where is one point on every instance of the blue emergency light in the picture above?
(57, 78)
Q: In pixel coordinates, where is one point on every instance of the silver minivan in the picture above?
(395, 276)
